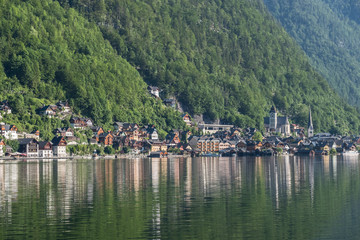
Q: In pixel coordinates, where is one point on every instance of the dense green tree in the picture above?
(228, 60)
(48, 54)
(257, 137)
(14, 144)
(329, 32)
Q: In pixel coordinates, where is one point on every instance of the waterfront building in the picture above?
(29, 146)
(59, 146)
(45, 149)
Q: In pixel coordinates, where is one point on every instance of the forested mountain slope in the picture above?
(226, 59)
(48, 54)
(329, 33)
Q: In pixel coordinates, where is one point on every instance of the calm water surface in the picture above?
(182, 198)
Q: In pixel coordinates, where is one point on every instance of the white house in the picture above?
(154, 91)
(59, 146)
(45, 149)
(8, 131)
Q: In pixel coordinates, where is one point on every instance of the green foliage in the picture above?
(329, 33)
(88, 133)
(14, 144)
(48, 54)
(109, 150)
(257, 137)
(174, 150)
(81, 149)
(126, 149)
(333, 151)
(279, 150)
(228, 60)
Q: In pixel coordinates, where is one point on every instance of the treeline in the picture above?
(329, 33)
(227, 59)
(48, 54)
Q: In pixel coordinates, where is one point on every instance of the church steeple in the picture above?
(273, 119)
(310, 125)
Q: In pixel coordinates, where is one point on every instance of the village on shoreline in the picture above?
(82, 139)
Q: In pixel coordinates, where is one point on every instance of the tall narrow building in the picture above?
(273, 119)
(310, 125)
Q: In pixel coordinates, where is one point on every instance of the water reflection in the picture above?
(158, 198)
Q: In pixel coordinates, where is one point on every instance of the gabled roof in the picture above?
(46, 108)
(185, 114)
(25, 141)
(119, 124)
(96, 129)
(152, 88)
(105, 134)
(272, 139)
(8, 127)
(273, 108)
(151, 130)
(56, 140)
(43, 144)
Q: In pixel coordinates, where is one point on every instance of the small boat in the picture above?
(210, 155)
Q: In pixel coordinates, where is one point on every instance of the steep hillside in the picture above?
(226, 59)
(48, 53)
(329, 33)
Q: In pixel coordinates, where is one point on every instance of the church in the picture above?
(277, 124)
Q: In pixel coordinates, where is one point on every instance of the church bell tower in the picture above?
(273, 119)
(310, 125)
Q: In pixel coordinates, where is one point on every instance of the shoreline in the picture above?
(123, 156)
(79, 157)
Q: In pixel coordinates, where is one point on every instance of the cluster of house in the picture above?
(31, 147)
(60, 109)
(320, 144)
(216, 138)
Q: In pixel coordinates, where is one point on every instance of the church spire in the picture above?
(310, 118)
(310, 125)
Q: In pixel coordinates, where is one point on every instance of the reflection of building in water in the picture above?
(188, 180)
(258, 171)
(109, 173)
(224, 169)
(311, 179)
(46, 176)
(326, 164)
(297, 169)
(67, 183)
(138, 173)
(287, 175)
(193, 180)
(174, 165)
(334, 165)
(237, 173)
(209, 173)
(32, 173)
(164, 167)
(155, 180)
(8, 187)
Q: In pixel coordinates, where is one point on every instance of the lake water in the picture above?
(182, 198)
